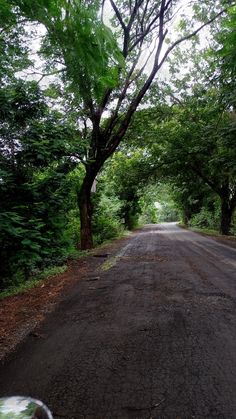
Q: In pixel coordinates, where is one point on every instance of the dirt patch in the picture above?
(20, 314)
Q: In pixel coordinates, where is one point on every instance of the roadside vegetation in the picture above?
(95, 139)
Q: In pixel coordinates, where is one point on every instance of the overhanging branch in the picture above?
(115, 140)
(191, 35)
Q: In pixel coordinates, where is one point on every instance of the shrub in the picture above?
(206, 219)
(107, 223)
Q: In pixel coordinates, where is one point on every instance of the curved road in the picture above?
(153, 337)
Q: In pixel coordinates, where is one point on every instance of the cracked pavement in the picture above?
(150, 335)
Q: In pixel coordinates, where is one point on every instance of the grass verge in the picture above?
(32, 282)
(207, 232)
(48, 272)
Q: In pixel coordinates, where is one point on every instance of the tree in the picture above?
(13, 50)
(108, 89)
(227, 39)
(125, 175)
(198, 139)
(35, 148)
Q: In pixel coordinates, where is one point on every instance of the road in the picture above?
(152, 334)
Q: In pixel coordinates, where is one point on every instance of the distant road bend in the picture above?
(154, 336)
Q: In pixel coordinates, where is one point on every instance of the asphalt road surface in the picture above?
(153, 336)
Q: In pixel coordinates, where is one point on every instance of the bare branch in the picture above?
(134, 13)
(191, 35)
(164, 7)
(122, 96)
(161, 35)
(102, 11)
(175, 99)
(118, 15)
(169, 19)
(116, 138)
(141, 70)
(144, 33)
(43, 75)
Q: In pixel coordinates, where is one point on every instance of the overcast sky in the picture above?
(108, 13)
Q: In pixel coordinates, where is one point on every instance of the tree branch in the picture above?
(115, 140)
(118, 15)
(134, 12)
(191, 35)
(150, 27)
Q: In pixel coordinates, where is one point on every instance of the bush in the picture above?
(73, 227)
(107, 223)
(34, 187)
(206, 219)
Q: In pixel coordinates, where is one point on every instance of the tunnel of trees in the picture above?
(113, 113)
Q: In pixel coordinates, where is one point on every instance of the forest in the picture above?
(113, 114)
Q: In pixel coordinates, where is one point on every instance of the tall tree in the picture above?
(195, 145)
(108, 82)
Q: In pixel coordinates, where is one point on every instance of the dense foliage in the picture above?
(101, 70)
(34, 186)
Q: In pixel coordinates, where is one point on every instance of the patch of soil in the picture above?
(20, 314)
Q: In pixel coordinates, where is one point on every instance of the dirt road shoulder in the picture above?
(21, 314)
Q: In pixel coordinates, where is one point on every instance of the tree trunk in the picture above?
(85, 206)
(86, 210)
(226, 216)
(186, 215)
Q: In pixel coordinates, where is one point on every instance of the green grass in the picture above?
(123, 233)
(39, 277)
(109, 263)
(32, 282)
(73, 254)
(208, 231)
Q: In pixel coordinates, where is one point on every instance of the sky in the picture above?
(108, 13)
(184, 6)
